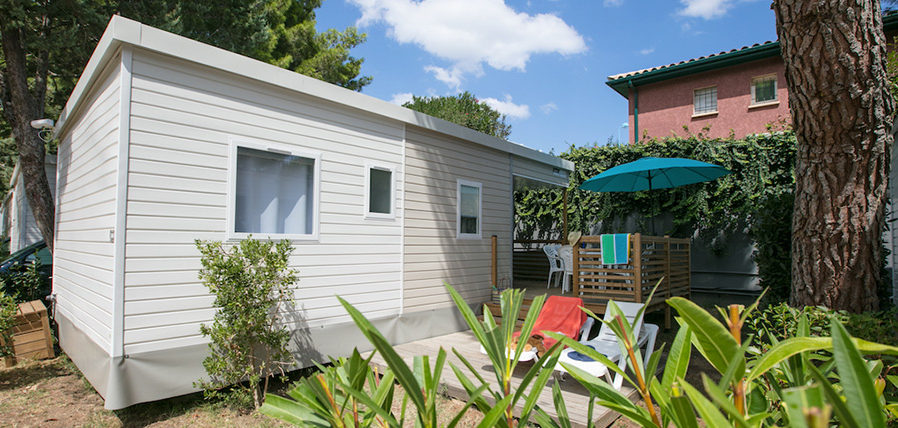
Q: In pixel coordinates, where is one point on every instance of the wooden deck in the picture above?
(575, 396)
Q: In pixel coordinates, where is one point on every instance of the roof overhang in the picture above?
(122, 31)
(622, 84)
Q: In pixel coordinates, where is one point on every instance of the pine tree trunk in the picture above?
(834, 53)
(20, 108)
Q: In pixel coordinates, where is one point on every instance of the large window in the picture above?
(469, 209)
(763, 89)
(705, 100)
(380, 192)
(274, 193)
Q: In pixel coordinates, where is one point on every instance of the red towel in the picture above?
(559, 314)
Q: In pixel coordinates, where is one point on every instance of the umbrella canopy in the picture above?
(653, 173)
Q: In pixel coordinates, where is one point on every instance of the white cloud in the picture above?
(469, 33)
(401, 98)
(508, 108)
(647, 51)
(612, 3)
(707, 9)
(548, 107)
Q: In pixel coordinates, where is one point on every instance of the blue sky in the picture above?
(542, 62)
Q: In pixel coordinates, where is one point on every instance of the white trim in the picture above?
(367, 194)
(479, 235)
(121, 206)
(238, 141)
(541, 180)
(710, 113)
(128, 32)
(716, 101)
(775, 99)
(402, 228)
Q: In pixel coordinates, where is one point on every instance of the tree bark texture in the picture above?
(20, 107)
(834, 54)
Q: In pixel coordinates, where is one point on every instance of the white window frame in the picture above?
(479, 235)
(716, 102)
(754, 101)
(234, 143)
(371, 215)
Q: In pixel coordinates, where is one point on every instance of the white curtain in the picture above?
(469, 209)
(274, 193)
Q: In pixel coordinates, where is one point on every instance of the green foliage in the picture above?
(25, 283)
(780, 321)
(465, 110)
(280, 32)
(252, 283)
(64, 34)
(799, 381)
(334, 397)
(755, 199)
(8, 309)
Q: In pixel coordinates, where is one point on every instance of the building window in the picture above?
(763, 89)
(705, 100)
(469, 209)
(380, 192)
(274, 193)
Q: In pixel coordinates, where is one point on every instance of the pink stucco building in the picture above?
(739, 92)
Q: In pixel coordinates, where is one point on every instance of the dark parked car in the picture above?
(19, 262)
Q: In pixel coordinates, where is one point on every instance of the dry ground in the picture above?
(53, 393)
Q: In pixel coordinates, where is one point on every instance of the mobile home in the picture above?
(166, 140)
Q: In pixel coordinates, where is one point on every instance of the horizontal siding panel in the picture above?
(182, 123)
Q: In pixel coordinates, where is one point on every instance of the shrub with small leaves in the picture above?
(252, 283)
(8, 310)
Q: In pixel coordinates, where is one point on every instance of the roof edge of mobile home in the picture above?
(126, 31)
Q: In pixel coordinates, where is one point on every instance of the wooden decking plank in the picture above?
(575, 396)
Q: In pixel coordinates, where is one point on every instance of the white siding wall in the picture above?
(85, 212)
(541, 172)
(434, 163)
(183, 116)
(23, 228)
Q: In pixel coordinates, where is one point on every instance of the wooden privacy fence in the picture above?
(651, 259)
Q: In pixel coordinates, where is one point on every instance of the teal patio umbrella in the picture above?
(653, 173)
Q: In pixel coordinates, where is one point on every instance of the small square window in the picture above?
(380, 191)
(763, 89)
(274, 193)
(705, 100)
(469, 209)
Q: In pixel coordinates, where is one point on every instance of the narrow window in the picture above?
(380, 191)
(469, 209)
(274, 193)
(763, 89)
(705, 100)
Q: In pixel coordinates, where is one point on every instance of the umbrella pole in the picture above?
(654, 203)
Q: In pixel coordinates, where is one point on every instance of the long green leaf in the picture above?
(860, 393)
(678, 357)
(591, 353)
(800, 399)
(545, 369)
(682, 412)
(719, 397)
(633, 413)
(795, 345)
(710, 415)
(563, 419)
(291, 411)
(717, 345)
(497, 411)
(833, 398)
(400, 369)
(471, 398)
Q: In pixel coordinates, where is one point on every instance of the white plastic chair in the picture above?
(555, 264)
(606, 344)
(567, 260)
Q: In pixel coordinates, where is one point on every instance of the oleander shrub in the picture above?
(252, 284)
